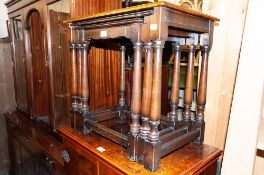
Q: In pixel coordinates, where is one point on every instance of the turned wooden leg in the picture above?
(135, 103)
(79, 77)
(122, 88)
(152, 146)
(84, 78)
(201, 100)
(146, 99)
(188, 94)
(175, 83)
(74, 78)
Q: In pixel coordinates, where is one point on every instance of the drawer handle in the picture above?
(65, 156)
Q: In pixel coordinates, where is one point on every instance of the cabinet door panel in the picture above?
(29, 163)
(105, 169)
(14, 155)
(19, 64)
(81, 161)
(39, 69)
(43, 171)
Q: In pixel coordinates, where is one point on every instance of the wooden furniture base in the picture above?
(85, 157)
(32, 149)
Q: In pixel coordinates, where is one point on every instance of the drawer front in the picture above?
(80, 160)
(50, 145)
(24, 138)
(48, 162)
(105, 169)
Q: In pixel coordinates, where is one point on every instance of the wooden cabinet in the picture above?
(19, 59)
(28, 156)
(29, 162)
(41, 58)
(14, 156)
(82, 161)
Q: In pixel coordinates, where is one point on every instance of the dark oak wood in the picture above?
(140, 7)
(147, 83)
(191, 159)
(175, 82)
(39, 69)
(156, 19)
(188, 94)
(59, 68)
(33, 134)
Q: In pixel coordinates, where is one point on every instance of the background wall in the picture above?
(3, 18)
(7, 100)
(7, 94)
(223, 63)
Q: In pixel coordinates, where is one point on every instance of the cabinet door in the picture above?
(81, 161)
(42, 171)
(14, 155)
(19, 64)
(29, 163)
(38, 64)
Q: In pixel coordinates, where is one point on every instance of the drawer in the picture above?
(106, 169)
(50, 145)
(27, 141)
(48, 162)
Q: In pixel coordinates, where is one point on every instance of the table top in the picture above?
(140, 8)
(187, 160)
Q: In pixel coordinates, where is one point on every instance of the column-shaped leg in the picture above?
(79, 77)
(152, 146)
(135, 103)
(85, 83)
(122, 88)
(188, 94)
(201, 100)
(146, 99)
(175, 83)
(74, 78)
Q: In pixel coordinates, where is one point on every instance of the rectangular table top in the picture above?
(141, 8)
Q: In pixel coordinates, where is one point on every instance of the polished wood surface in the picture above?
(104, 76)
(140, 7)
(84, 78)
(59, 68)
(137, 82)
(32, 132)
(103, 64)
(164, 88)
(175, 86)
(201, 100)
(39, 68)
(155, 107)
(191, 159)
(147, 82)
(188, 94)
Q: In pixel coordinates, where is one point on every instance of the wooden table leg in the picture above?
(79, 77)
(188, 94)
(146, 99)
(175, 84)
(85, 83)
(153, 145)
(74, 78)
(122, 88)
(201, 100)
(135, 104)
